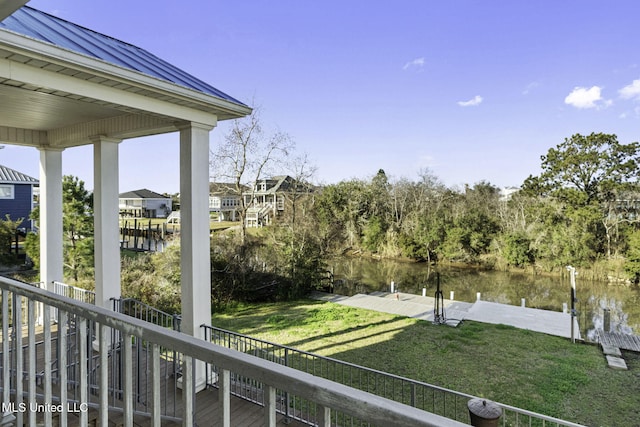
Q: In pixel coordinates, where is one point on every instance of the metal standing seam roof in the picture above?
(10, 176)
(41, 26)
(142, 194)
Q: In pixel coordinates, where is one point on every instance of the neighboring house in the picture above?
(224, 200)
(17, 196)
(269, 198)
(507, 192)
(144, 204)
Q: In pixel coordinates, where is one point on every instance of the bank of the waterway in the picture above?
(363, 275)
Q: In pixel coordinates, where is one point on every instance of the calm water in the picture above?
(362, 275)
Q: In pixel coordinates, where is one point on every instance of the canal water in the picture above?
(363, 275)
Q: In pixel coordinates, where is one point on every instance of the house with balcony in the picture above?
(225, 200)
(144, 204)
(269, 198)
(17, 196)
(74, 358)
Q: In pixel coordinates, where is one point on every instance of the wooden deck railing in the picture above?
(21, 391)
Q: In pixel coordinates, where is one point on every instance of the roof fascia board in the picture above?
(56, 81)
(7, 7)
(47, 52)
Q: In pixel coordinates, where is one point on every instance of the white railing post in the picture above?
(269, 406)
(82, 360)
(324, 416)
(155, 377)
(187, 391)
(128, 380)
(17, 328)
(46, 313)
(55, 288)
(103, 411)
(224, 396)
(31, 351)
(63, 325)
(7, 417)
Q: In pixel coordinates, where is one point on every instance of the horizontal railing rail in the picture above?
(427, 397)
(326, 397)
(74, 292)
(140, 310)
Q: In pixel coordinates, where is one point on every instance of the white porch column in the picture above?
(105, 208)
(51, 260)
(195, 258)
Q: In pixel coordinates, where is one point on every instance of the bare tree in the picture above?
(245, 156)
(302, 172)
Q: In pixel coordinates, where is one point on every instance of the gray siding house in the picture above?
(268, 198)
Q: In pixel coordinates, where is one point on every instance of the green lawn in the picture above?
(529, 370)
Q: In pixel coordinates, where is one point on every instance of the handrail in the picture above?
(74, 292)
(146, 312)
(326, 394)
(298, 359)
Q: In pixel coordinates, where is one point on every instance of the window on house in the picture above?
(6, 191)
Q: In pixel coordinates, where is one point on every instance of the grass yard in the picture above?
(529, 370)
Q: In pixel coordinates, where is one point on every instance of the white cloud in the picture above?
(476, 100)
(582, 97)
(631, 91)
(416, 63)
(530, 87)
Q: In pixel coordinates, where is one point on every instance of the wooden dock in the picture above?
(418, 307)
(622, 341)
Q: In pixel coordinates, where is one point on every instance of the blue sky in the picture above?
(472, 90)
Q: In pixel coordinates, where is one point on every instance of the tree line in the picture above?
(581, 209)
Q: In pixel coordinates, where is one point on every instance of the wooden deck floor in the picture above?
(243, 414)
(622, 341)
(208, 413)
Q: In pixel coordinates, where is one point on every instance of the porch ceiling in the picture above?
(51, 96)
(31, 108)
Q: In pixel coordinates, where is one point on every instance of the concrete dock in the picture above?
(419, 307)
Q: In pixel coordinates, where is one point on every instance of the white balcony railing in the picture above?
(29, 384)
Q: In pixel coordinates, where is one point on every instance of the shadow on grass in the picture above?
(317, 315)
(533, 371)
